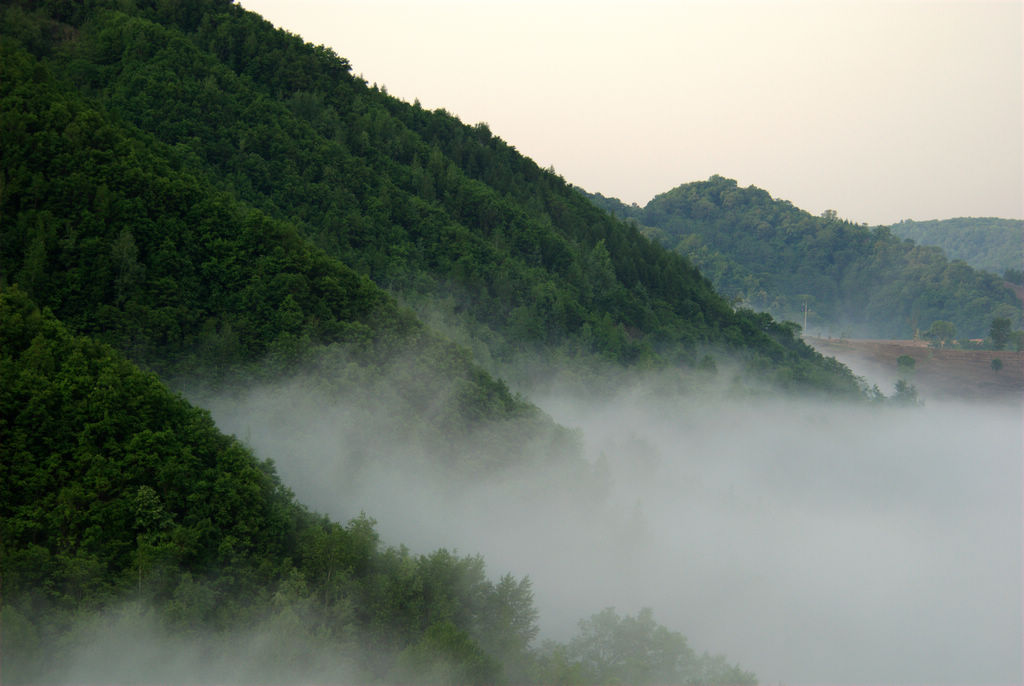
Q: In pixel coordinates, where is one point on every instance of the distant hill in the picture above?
(772, 256)
(995, 245)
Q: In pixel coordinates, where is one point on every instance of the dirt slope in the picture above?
(962, 374)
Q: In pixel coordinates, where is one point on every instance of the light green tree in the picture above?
(941, 331)
(637, 650)
(906, 394)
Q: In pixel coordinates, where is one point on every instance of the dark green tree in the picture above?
(1000, 332)
(906, 364)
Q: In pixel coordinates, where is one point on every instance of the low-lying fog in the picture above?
(809, 542)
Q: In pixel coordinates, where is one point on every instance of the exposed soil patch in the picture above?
(963, 374)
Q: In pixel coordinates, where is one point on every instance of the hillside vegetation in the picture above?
(123, 506)
(995, 245)
(196, 137)
(854, 281)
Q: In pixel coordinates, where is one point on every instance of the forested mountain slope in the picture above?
(855, 281)
(244, 124)
(126, 517)
(126, 247)
(995, 245)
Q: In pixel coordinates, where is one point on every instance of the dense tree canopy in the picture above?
(612, 649)
(995, 245)
(113, 232)
(844, 277)
(113, 488)
(209, 126)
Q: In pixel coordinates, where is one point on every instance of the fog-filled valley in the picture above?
(811, 542)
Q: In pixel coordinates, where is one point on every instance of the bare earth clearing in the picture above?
(960, 374)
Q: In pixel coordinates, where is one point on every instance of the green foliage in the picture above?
(999, 333)
(197, 155)
(906, 364)
(1017, 340)
(611, 649)
(995, 245)
(769, 255)
(941, 332)
(111, 486)
(445, 655)
(108, 478)
(123, 241)
(125, 245)
(906, 394)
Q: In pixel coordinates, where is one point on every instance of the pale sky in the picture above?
(879, 110)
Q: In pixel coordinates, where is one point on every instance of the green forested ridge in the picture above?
(857, 281)
(114, 490)
(112, 485)
(449, 218)
(995, 245)
(124, 241)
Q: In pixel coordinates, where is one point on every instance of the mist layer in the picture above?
(809, 542)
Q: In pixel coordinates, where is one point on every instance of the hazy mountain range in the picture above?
(995, 245)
